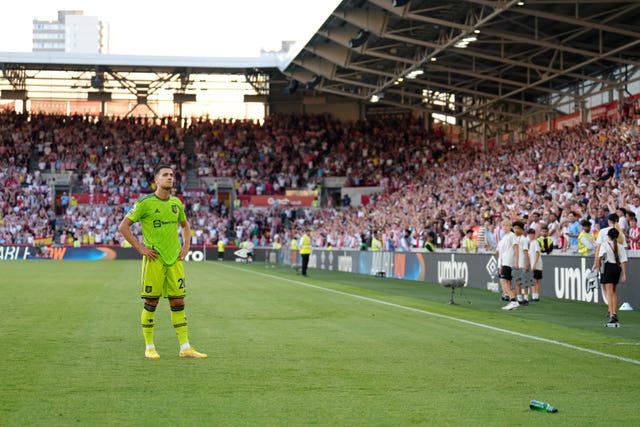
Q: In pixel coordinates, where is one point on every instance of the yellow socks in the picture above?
(179, 320)
(146, 319)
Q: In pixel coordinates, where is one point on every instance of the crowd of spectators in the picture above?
(25, 199)
(551, 179)
(429, 189)
(291, 151)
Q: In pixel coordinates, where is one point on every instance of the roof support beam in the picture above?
(567, 19)
(451, 41)
(485, 76)
(430, 84)
(553, 76)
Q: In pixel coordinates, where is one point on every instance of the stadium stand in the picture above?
(420, 60)
(429, 187)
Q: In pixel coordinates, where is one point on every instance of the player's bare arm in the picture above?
(125, 229)
(186, 239)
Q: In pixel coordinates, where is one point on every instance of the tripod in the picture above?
(453, 284)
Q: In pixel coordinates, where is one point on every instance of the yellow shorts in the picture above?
(159, 280)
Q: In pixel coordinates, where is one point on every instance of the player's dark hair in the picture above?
(159, 168)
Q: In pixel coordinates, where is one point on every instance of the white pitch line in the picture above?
(444, 316)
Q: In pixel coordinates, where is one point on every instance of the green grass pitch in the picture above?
(332, 349)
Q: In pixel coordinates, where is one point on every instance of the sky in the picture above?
(213, 28)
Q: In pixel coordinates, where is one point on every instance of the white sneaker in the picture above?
(511, 305)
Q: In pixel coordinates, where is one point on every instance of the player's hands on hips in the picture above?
(148, 252)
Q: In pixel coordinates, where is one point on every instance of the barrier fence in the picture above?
(564, 276)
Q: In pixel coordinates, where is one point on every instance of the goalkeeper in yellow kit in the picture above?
(159, 215)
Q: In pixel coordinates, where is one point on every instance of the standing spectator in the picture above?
(545, 242)
(586, 241)
(248, 245)
(429, 246)
(553, 228)
(622, 214)
(305, 251)
(489, 241)
(468, 244)
(535, 260)
(600, 218)
(390, 242)
(293, 246)
(612, 220)
(612, 263)
(535, 222)
(573, 231)
(64, 202)
(376, 243)
(220, 246)
(521, 271)
(405, 241)
(507, 260)
(634, 233)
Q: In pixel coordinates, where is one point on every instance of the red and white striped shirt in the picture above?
(634, 235)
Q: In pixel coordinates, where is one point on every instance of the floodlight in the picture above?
(359, 39)
(311, 84)
(376, 97)
(97, 81)
(291, 87)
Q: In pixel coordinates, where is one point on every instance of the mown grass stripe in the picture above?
(444, 316)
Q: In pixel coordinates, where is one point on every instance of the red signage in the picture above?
(539, 127)
(605, 110)
(91, 198)
(91, 108)
(103, 198)
(568, 121)
(275, 201)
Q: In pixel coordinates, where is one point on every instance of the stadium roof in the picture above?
(99, 76)
(503, 60)
(59, 61)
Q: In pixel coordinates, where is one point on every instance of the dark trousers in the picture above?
(305, 263)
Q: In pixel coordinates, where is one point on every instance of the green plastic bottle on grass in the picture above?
(539, 406)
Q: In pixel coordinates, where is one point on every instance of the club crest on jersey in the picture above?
(174, 209)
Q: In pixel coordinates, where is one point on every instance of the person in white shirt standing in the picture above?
(535, 261)
(611, 261)
(521, 272)
(507, 261)
(602, 238)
